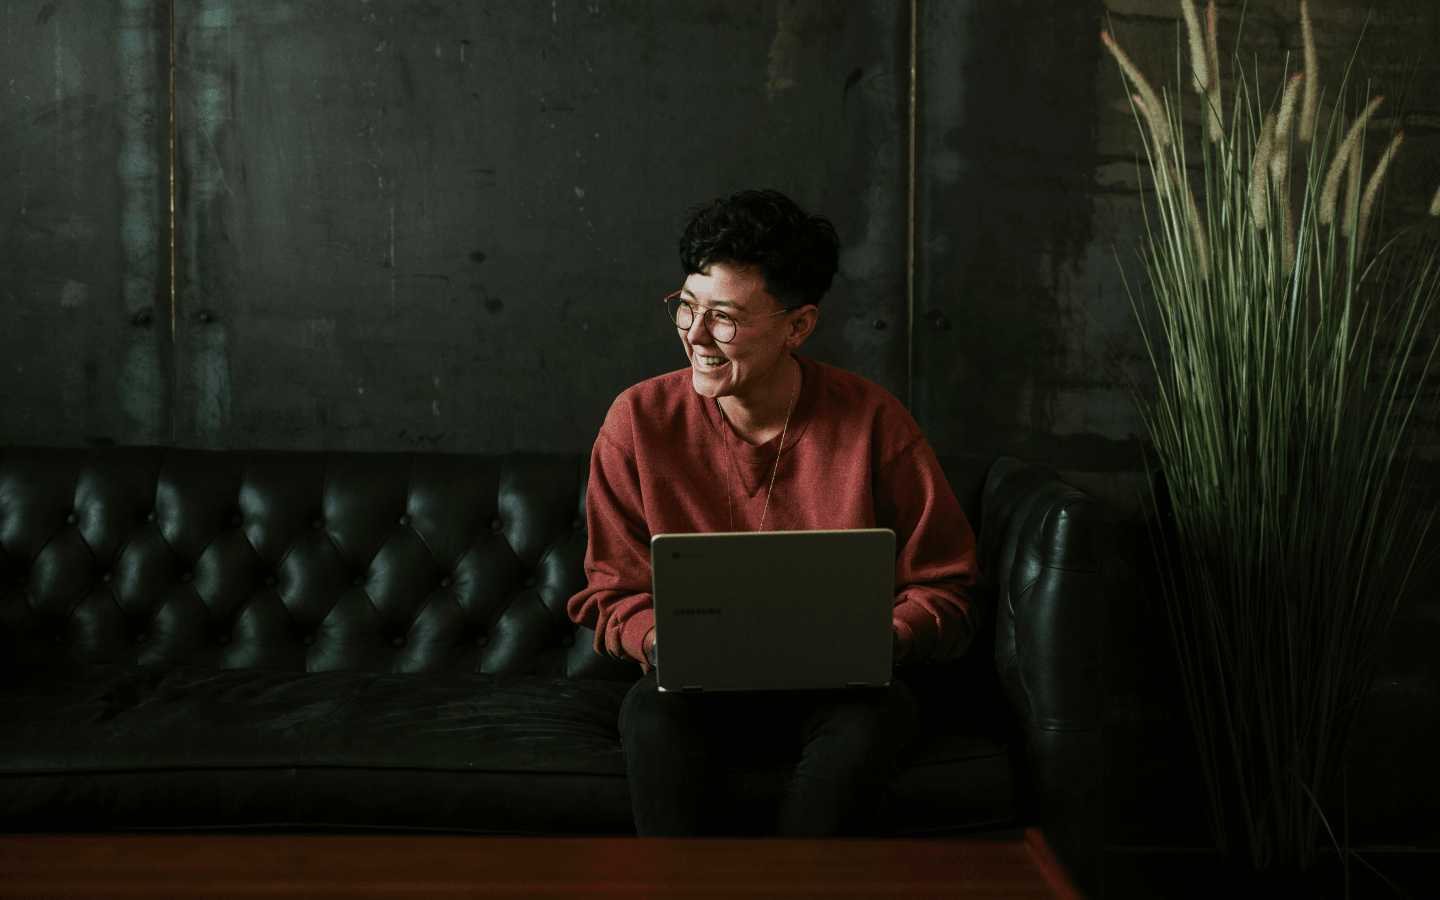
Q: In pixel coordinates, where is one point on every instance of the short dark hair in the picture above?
(797, 254)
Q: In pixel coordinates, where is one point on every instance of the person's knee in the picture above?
(860, 732)
(641, 708)
(649, 717)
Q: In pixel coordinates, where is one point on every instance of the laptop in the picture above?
(776, 610)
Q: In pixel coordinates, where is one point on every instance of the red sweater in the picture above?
(665, 462)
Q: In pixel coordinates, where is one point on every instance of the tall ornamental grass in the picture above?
(1290, 347)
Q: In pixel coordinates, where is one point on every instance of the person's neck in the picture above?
(760, 417)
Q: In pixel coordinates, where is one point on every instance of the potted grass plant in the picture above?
(1290, 344)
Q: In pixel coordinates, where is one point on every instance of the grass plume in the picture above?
(1260, 174)
(1280, 158)
(1348, 147)
(1372, 189)
(1311, 105)
(1214, 126)
(1153, 110)
(1354, 172)
(1199, 59)
(1280, 165)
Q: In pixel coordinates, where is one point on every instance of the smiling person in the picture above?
(753, 437)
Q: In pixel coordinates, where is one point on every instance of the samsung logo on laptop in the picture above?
(696, 611)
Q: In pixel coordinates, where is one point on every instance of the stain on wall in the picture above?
(1011, 309)
(144, 385)
(84, 351)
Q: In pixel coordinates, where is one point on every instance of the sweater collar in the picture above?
(753, 464)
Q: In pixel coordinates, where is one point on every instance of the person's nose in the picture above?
(699, 330)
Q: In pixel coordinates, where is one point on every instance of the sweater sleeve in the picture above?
(935, 562)
(616, 601)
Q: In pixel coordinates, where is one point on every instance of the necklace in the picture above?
(729, 500)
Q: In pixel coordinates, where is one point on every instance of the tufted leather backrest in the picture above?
(381, 563)
(303, 561)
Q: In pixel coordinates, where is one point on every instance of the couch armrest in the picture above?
(1046, 553)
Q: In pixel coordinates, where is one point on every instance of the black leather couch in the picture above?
(196, 639)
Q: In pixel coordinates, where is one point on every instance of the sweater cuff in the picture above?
(632, 636)
(918, 625)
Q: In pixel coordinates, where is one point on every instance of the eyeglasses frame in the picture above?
(706, 310)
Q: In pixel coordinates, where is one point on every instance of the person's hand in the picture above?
(649, 646)
(900, 650)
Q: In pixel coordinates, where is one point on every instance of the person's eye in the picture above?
(722, 317)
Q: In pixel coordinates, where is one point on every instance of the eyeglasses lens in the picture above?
(680, 312)
(721, 327)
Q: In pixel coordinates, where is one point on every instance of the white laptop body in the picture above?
(775, 610)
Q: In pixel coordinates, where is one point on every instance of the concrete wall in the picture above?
(446, 225)
(404, 224)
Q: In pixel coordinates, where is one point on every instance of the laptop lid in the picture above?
(774, 610)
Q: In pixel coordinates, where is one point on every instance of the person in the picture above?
(753, 437)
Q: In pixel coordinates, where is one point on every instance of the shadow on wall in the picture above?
(1007, 360)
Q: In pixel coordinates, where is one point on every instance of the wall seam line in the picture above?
(174, 294)
(910, 215)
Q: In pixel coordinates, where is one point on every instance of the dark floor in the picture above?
(1153, 873)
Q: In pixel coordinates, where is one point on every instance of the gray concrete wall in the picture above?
(449, 225)
(407, 224)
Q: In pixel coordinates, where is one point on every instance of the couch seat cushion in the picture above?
(113, 746)
(168, 747)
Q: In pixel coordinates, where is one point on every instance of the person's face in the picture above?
(756, 355)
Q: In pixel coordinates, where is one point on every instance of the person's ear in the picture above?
(801, 325)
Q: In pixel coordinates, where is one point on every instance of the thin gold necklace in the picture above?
(735, 475)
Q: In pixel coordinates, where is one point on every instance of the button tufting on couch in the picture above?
(295, 639)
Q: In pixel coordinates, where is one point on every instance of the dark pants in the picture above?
(845, 746)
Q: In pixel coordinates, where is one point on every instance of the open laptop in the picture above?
(775, 610)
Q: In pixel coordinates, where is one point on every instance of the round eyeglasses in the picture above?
(720, 324)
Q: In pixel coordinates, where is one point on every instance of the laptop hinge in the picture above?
(857, 684)
(691, 688)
